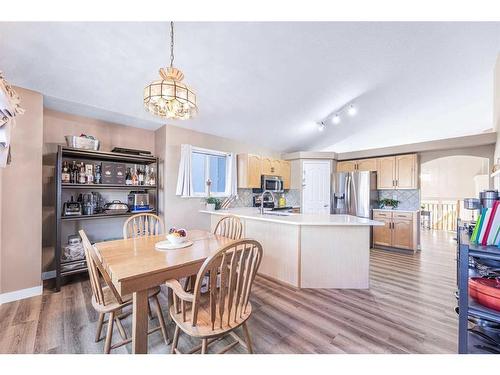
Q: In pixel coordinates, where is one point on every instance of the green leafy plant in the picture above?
(388, 203)
(213, 200)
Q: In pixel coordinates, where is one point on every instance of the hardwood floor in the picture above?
(409, 308)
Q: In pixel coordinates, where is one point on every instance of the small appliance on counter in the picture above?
(72, 208)
(268, 201)
(474, 205)
(115, 207)
(488, 198)
(138, 201)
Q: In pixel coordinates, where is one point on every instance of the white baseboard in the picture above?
(21, 294)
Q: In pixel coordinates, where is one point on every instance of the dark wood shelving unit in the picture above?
(108, 186)
(102, 216)
(68, 153)
(466, 305)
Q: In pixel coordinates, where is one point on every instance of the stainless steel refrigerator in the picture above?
(354, 193)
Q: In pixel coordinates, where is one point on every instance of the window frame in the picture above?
(209, 152)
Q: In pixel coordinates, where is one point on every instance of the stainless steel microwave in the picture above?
(271, 183)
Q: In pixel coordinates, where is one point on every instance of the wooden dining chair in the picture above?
(107, 300)
(145, 224)
(229, 226)
(226, 306)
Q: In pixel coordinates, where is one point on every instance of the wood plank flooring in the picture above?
(409, 308)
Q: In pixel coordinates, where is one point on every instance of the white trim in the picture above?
(21, 294)
(207, 151)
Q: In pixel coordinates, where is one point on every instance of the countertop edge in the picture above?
(280, 220)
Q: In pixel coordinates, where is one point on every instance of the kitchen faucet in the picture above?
(262, 200)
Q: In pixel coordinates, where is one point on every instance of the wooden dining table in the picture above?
(135, 265)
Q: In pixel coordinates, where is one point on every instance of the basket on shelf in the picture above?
(83, 142)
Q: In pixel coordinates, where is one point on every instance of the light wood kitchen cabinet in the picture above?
(285, 171)
(346, 166)
(400, 229)
(383, 235)
(406, 171)
(357, 165)
(385, 172)
(366, 165)
(249, 171)
(397, 172)
(402, 233)
(268, 166)
(251, 167)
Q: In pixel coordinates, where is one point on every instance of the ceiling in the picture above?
(270, 82)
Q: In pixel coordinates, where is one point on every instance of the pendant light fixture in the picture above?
(169, 97)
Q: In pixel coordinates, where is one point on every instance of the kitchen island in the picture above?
(308, 251)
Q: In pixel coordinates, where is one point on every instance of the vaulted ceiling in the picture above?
(270, 82)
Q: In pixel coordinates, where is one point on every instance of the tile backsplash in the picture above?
(408, 199)
(245, 198)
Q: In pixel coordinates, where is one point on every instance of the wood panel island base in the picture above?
(309, 251)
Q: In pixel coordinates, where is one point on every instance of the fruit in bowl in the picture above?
(176, 236)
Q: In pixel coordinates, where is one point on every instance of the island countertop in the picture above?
(297, 219)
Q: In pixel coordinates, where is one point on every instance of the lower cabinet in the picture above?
(383, 235)
(402, 234)
(400, 229)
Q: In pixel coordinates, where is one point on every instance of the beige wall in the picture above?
(55, 126)
(453, 177)
(183, 212)
(21, 200)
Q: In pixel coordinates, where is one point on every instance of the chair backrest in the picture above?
(96, 271)
(145, 224)
(237, 265)
(229, 226)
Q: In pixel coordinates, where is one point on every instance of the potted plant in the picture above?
(392, 203)
(212, 204)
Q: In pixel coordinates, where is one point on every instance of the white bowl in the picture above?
(175, 239)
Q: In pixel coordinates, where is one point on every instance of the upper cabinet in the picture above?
(357, 165)
(346, 166)
(397, 172)
(393, 172)
(385, 173)
(367, 165)
(268, 166)
(249, 171)
(285, 171)
(251, 167)
(406, 171)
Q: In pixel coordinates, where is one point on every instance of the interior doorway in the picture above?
(316, 186)
(445, 182)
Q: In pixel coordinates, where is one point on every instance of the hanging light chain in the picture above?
(171, 44)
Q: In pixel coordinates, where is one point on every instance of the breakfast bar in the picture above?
(309, 251)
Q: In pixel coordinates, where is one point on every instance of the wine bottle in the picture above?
(81, 174)
(65, 176)
(135, 181)
(128, 177)
(98, 175)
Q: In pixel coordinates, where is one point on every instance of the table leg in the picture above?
(140, 322)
